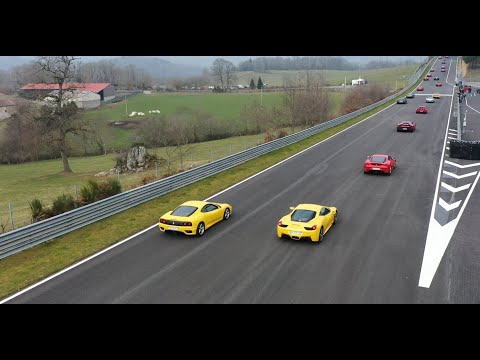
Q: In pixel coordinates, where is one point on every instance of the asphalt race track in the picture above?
(373, 255)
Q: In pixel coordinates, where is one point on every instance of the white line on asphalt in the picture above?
(452, 138)
(437, 239)
(461, 166)
(455, 189)
(449, 133)
(448, 206)
(459, 176)
(466, 103)
(454, 130)
(447, 148)
(151, 227)
(77, 264)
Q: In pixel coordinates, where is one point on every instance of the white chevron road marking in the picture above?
(453, 130)
(448, 206)
(455, 189)
(447, 148)
(459, 176)
(438, 238)
(452, 138)
(461, 166)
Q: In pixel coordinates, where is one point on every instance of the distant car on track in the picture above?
(436, 78)
(436, 96)
(429, 100)
(379, 163)
(420, 88)
(426, 78)
(444, 62)
(406, 126)
(194, 217)
(429, 75)
(410, 96)
(307, 222)
(438, 84)
(402, 101)
(422, 110)
(443, 70)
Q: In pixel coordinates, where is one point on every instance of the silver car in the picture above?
(430, 100)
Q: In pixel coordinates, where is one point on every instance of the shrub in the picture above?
(90, 192)
(109, 188)
(62, 204)
(36, 206)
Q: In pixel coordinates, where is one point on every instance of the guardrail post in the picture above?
(156, 170)
(11, 215)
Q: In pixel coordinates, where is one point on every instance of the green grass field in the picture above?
(27, 267)
(400, 74)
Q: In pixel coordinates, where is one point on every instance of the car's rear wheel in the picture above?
(200, 229)
(226, 214)
(335, 218)
(321, 235)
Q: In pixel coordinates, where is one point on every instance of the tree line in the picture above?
(266, 64)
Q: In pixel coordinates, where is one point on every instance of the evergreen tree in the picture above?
(259, 83)
(252, 84)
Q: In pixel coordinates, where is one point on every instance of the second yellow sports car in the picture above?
(436, 96)
(307, 222)
(194, 217)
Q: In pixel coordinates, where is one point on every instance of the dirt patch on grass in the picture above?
(124, 124)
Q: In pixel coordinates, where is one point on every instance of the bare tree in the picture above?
(224, 72)
(61, 117)
(306, 102)
(230, 74)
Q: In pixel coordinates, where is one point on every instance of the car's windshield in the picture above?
(378, 159)
(301, 215)
(184, 210)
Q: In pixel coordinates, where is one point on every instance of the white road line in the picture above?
(448, 72)
(455, 189)
(466, 103)
(454, 130)
(461, 166)
(437, 238)
(447, 148)
(452, 138)
(459, 176)
(449, 133)
(448, 206)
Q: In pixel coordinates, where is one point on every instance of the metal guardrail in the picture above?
(37, 233)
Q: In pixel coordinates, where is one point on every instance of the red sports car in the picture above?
(432, 70)
(406, 126)
(426, 78)
(422, 110)
(420, 88)
(429, 75)
(438, 84)
(443, 70)
(446, 57)
(379, 163)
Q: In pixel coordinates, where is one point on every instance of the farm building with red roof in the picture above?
(36, 91)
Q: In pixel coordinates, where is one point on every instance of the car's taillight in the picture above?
(281, 225)
(188, 223)
(162, 221)
(314, 227)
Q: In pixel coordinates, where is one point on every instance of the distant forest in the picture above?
(266, 64)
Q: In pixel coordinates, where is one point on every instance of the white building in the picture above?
(83, 99)
(358, 81)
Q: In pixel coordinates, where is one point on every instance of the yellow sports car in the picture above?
(436, 96)
(194, 217)
(307, 221)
